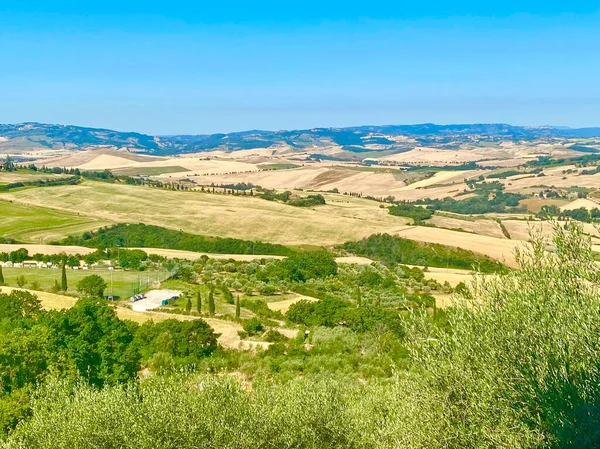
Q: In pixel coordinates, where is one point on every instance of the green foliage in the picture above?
(90, 341)
(181, 343)
(199, 302)
(63, 278)
(309, 201)
(211, 301)
(418, 214)
(516, 367)
(188, 305)
(301, 267)
(581, 214)
(1, 277)
(238, 310)
(92, 286)
(21, 281)
(253, 326)
(140, 235)
(391, 250)
(288, 198)
(333, 312)
(131, 259)
(260, 308)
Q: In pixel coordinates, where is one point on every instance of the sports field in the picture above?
(124, 283)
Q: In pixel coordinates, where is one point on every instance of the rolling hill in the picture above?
(354, 142)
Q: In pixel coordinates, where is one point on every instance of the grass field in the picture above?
(342, 219)
(25, 175)
(26, 223)
(124, 282)
(149, 171)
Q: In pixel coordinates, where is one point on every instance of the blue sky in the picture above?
(172, 67)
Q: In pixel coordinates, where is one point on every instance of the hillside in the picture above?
(351, 143)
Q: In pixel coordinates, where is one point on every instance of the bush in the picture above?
(253, 326)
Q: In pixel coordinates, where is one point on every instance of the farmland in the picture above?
(342, 219)
(26, 223)
(347, 290)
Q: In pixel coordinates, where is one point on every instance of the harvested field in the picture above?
(215, 215)
(519, 229)
(50, 301)
(24, 176)
(354, 260)
(191, 255)
(451, 275)
(284, 305)
(46, 249)
(535, 204)
(477, 226)
(501, 249)
(584, 203)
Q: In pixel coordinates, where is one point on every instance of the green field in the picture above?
(124, 283)
(278, 166)
(149, 171)
(31, 224)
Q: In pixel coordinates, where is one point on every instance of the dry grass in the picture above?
(284, 305)
(501, 249)
(50, 301)
(217, 215)
(46, 249)
(535, 204)
(479, 226)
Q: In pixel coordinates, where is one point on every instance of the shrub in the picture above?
(253, 326)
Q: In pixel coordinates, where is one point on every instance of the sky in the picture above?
(174, 67)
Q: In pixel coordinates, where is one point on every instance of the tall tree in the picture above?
(1, 277)
(63, 278)
(199, 302)
(92, 286)
(237, 307)
(211, 301)
(188, 305)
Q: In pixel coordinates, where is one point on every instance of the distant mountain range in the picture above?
(360, 139)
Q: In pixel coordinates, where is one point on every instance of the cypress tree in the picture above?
(238, 311)
(1, 277)
(188, 305)
(63, 278)
(211, 301)
(199, 302)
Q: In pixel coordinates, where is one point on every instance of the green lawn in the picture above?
(124, 283)
(31, 224)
